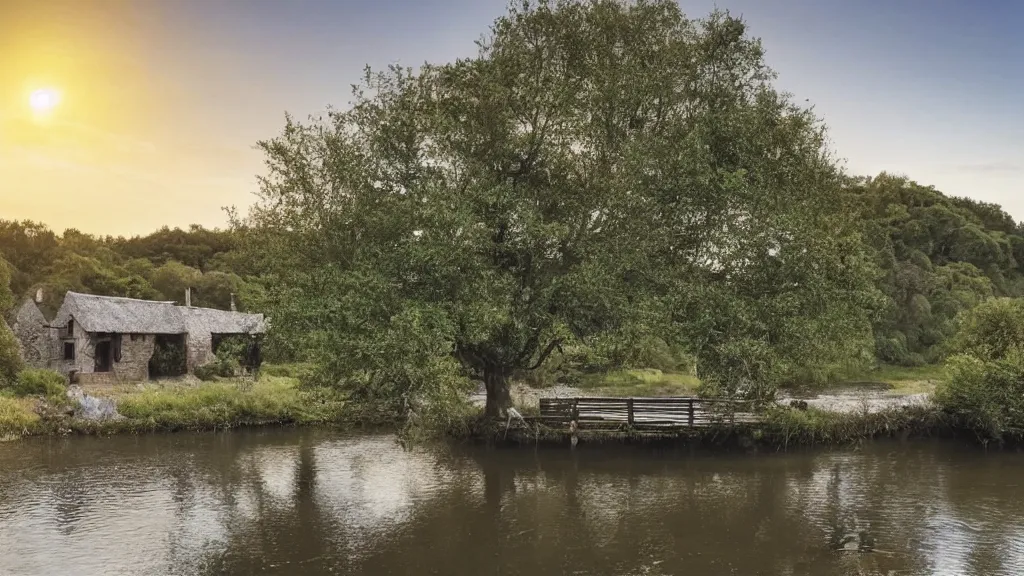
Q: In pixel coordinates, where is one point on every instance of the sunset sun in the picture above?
(44, 100)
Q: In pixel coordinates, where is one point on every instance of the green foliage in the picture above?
(599, 169)
(10, 354)
(940, 257)
(208, 372)
(173, 278)
(986, 395)
(158, 266)
(228, 404)
(788, 427)
(992, 330)
(985, 387)
(16, 416)
(38, 382)
(228, 359)
(297, 371)
(640, 382)
(168, 359)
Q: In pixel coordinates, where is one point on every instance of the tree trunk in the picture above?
(498, 398)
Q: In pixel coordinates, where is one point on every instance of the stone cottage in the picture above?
(104, 339)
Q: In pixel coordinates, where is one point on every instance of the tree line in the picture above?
(602, 178)
(159, 266)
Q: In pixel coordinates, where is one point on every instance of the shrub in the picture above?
(40, 382)
(991, 330)
(16, 416)
(986, 395)
(206, 372)
(224, 367)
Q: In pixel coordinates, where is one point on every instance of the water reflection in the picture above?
(313, 502)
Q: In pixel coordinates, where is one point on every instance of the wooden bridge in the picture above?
(649, 413)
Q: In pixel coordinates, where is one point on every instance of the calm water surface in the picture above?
(316, 502)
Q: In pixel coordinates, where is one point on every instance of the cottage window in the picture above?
(69, 350)
(141, 337)
(71, 328)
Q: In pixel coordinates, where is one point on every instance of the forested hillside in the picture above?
(158, 266)
(938, 256)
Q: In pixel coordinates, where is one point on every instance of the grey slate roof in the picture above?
(128, 315)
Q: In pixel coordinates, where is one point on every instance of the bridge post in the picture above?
(690, 403)
(629, 411)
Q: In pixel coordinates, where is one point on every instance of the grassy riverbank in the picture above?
(278, 399)
(181, 405)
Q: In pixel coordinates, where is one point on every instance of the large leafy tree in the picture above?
(598, 166)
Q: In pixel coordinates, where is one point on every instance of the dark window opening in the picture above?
(103, 356)
(136, 337)
(169, 358)
(71, 328)
(69, 350)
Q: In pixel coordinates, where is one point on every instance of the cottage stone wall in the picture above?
(199, 347)
(135, 356)
(85, 359)
(35, 339)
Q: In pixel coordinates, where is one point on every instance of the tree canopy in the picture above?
(599, 165)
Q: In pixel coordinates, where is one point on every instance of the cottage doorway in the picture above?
(103, 356)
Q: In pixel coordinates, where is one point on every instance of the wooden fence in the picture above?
(661, 413)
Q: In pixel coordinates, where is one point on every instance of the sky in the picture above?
(161, 102)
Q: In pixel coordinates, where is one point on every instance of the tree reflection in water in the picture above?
(309, 502)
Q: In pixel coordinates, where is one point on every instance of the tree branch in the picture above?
(557, 343)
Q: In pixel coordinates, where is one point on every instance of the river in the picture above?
(319, 502)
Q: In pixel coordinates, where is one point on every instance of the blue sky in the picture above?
(930, 89)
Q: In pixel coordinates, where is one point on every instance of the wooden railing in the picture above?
(671, 412)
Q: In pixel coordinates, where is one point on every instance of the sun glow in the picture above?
(43, 100)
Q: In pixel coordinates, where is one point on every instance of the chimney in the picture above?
(39, 295)
(233, 309)
(188, 297)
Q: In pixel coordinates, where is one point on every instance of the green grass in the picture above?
(643, 382)
(271, 400)
(784, 427)
(16, 416)
(901, 379)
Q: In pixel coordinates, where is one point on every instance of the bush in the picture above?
(40, 382)
(986, 395)
(223, 367)
(991, 330)
(16, 416)
(206, 372)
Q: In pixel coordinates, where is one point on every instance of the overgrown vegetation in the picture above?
(985, 388)
(34, 382)
(229, 404)
(16, 416)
